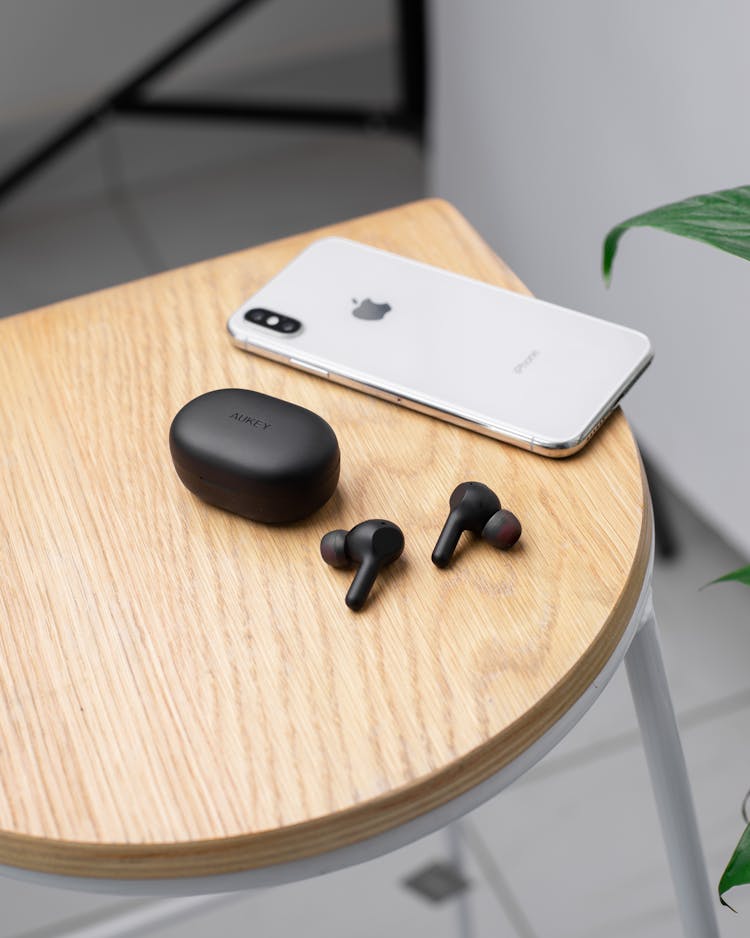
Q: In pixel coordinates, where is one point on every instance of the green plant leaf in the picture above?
(721, 219)
(741, 576)
(737, 872)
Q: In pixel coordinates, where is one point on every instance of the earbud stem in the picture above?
(362, 583)
(448, 540)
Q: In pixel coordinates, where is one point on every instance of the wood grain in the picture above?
(183, 691)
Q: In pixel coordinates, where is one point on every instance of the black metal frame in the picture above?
(129, 96)
(666, 541)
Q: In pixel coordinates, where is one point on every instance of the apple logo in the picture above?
(369, 310)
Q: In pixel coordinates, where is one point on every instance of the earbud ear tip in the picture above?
(333, 548)
(502, 530)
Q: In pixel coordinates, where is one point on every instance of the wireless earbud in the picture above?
(371, 544)
(475, 507)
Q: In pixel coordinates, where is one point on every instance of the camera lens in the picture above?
(276, 322)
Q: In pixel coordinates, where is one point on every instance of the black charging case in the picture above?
(255, 455)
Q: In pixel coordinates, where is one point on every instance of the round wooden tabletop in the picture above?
(184, 692)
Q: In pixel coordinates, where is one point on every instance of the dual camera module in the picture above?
(275, 321)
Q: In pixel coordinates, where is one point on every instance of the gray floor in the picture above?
(573, 849)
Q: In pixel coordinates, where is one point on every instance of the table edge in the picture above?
(191, 858)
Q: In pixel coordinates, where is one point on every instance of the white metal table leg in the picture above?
(666, 763)
(457, 853)
(143, 917)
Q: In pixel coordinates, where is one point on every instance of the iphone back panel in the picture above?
(507, 365)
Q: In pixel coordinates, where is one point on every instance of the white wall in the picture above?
(553, 121)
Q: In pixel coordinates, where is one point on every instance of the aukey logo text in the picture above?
(253, 421)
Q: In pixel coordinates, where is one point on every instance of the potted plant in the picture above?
(721, 219)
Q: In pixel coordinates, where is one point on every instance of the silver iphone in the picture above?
(506, 365)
